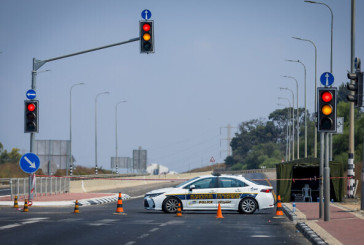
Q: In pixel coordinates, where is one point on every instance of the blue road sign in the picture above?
(31, 94)
(327, 79)
(146, 14)
(29, 163)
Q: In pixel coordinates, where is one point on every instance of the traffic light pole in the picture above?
(322, 155)
(327, 179)
(39, 63)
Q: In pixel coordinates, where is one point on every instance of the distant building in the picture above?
(156, 169)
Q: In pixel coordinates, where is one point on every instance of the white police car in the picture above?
(206, 192)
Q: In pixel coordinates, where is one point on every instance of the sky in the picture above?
(216, 63)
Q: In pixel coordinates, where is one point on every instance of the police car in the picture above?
(206, 192)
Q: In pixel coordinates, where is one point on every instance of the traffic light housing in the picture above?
(357, 87)
(146, 30)
(31, 116)
(326, 120)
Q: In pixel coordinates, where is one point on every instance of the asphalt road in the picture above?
(98, 224)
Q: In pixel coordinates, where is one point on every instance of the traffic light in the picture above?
(326, 120)
(31, 118)
(357, 87)
(146, 36)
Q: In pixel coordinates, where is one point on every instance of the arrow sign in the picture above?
(327, 79)
(146, 14)
(31, 94)
(212, 159)
(29, 163)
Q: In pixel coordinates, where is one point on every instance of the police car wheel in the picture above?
(247, 206)
(170, 205)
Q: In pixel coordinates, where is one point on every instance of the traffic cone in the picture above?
(16, 202)
(25, 206)
(119, 207)
(279, 211)
(76, 210)
(219, 213)
(179, 210)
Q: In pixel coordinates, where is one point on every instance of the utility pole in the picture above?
(351, 166)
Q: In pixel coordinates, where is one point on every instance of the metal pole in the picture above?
(71, 158)
(327, 180)
(96, 170)
(116, 135)
(298, 121)
(292, 120)
(351, 166)
(322, 158)
(315, 141)
(304, 67)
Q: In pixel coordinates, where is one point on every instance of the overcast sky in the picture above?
(215, 63)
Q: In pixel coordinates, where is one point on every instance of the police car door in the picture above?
(229, 191)
(202, 194)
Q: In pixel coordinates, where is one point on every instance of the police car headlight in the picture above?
(153, 195)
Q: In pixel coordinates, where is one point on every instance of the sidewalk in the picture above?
(345, 225)
(66, 199)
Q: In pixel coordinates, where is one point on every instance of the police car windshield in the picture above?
(182, 184)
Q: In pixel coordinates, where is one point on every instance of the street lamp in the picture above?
(116, 134)
(292, 119)
(289, 116)
(306, 40)
(304, 67)
(297, 118)
(71, 159)
(96, 128)
(288, 158)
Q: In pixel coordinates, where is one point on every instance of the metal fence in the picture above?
(43, 186)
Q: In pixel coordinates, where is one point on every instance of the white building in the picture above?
(156, 169)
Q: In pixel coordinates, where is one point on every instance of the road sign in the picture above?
(146, 14)
(212, 159)
(340, 125)
(327, 79)
(31, 94)
(29, 163)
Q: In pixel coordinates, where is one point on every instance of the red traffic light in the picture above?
(326, 96)
(31, 107)
(146, 27)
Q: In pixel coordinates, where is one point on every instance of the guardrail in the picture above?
(43, 186)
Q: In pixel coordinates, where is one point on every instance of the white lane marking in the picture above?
(9, 226)
(143, 236)
(259, 236)
(154, 229)
(130, 243)
(103, 222)
(23, 222)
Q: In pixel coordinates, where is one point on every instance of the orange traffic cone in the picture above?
(179, 210)
(76, 211)
(25, 206)
(279, 211)
(219, 213)
(16, 202)
(119, 207)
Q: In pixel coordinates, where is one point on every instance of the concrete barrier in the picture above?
(94, 185)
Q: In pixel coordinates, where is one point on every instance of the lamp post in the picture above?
(292, 119)
(96, 128)
(71, 159)
(289, 134)
(116, 135)
(297, 117)
(304, 67)
(306, 40)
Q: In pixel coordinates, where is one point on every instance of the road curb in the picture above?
(82, 202)
(304, 228)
